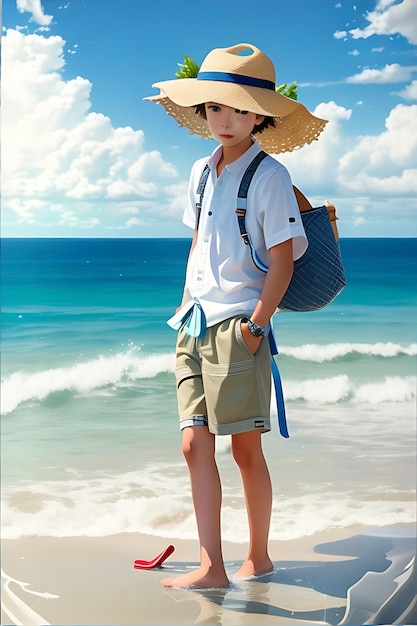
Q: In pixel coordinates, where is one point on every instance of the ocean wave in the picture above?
(120, 369)
(135, 502)
(339, 388)
(124, 369)
(321, 353)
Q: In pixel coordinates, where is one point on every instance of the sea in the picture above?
(90, 443)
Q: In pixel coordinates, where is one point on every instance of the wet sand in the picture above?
(86, 580)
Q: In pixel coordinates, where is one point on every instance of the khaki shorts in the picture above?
(220, 384)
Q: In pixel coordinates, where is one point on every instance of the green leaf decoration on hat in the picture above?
(190, 69)
(289, 92)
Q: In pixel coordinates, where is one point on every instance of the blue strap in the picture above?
(241, 207)
(282, 420)
(248, 175)
(240, 79)
(200, 190)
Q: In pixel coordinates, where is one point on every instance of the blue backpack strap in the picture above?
(248, 175)
(241, 214)
(200, 190)
(243, 193)
(241, 207)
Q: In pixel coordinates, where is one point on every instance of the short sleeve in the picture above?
(279, 214)
(189, 216)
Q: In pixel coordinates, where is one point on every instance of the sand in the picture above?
(85, 580)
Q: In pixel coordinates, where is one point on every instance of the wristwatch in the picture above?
(258, 331)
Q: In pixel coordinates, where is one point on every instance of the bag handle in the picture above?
(305, 205)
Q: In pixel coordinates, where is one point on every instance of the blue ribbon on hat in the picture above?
(238, 79)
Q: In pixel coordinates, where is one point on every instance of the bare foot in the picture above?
(199, 578)
(249, 568)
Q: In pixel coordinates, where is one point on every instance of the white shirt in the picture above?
(220, 272)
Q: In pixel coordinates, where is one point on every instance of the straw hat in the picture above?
(241, 77)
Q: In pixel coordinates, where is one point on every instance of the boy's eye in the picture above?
(241, 112)
(214, 107)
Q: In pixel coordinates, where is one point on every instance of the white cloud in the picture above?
(67, 165)
(390, 19)
(130, 210)
(176, 195)
(340, 34)
(363, 177)
(150, 166)
(393, 73)
(410, 92)
(70, 220)
(385, 164)
(354, 53)
(383, 4)
(35, 8)
(133, 221)
(313, 169)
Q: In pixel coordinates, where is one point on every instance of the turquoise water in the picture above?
(90, 441)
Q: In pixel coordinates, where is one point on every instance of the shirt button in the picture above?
(210, 213)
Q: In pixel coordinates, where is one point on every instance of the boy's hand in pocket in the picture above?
(251, 341)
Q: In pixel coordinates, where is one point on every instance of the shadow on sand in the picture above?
(377, 582)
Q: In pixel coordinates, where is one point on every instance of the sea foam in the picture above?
(339, 388)
(124, 368)
(320, 353)
(84, 377)
(136, 502)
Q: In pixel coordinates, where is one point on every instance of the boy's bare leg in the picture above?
(198, 446)
(247, 451)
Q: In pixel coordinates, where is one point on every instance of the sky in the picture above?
(85, 156)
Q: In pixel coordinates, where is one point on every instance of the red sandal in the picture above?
(156, 562)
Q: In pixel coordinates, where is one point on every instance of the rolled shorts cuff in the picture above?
(263, 424)
(193, 420)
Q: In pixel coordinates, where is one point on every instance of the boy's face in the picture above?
(229, 126)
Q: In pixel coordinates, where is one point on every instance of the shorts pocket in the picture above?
(241, 341)
(231, 391)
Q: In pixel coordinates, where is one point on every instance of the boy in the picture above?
(223, 359)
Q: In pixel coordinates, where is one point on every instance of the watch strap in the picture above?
(258, 331)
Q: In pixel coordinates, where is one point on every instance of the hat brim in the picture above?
(295, 126)
(189, 92)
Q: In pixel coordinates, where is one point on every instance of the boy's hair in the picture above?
(200, 109)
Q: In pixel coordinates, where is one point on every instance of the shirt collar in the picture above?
(241, 163)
